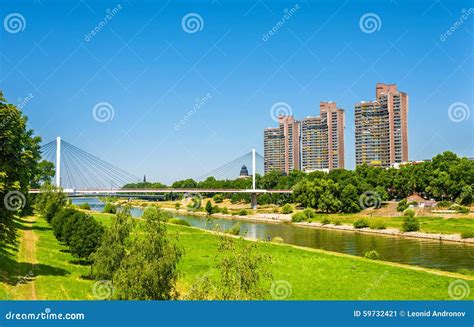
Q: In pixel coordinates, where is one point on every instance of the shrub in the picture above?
(325, 221)
(110, 208)
(459, 209)
(402, 205)
(224, 210)
(298, 217)
(467, 234)
(86, 237)
(154, 213)
(70, 225)
(286, 209)
(234, 230)
(243, 212)
(361, 223)
(337, 222)
(277, 239)
(218, 198)
(85, 206)
(372, 254)
(309, 213)
(413, 204)
(410, 224)
(378, 225)
(443, 204)
(209, 208)
(409, 213)
(177, 205)
(59, 219)
(178, 221)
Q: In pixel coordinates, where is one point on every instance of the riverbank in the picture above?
(281, 218)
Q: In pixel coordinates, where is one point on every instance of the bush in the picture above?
(410, 224)
(468, 234)
(208, 207)
(218, 198)
(286, 209)
(443, 204)
(459, 209)
(361, 223)
(243, 212)
(85, 206)
(110, 208)
(70, 225)
(59, 219)
(277, 239)
(177, 205)
(325, 221)
(224, 210)
(154, 213)
(299, 217)
(409, 213)
(402, 205)
(234, 230)
(178, 221)
(337, 222)
(378, 225)
(86, 237)
(372, 254)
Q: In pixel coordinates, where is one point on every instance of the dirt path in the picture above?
(26, 285)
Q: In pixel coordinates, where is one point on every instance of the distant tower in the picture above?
(144, 178)
(244, 172)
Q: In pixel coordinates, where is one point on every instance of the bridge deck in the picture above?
(167, 190)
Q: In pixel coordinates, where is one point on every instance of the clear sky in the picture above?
(151, 63)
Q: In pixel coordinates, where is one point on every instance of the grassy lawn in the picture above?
(312, 274)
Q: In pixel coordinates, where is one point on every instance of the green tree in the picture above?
(50, 201)
(106, 260)
(350, 199)
(208, 207)
(149, 269)
(86, 237)
(466, 196)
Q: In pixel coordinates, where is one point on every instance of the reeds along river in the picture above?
(447, 256)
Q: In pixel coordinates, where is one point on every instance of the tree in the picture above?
(19, 165)
(243, 273)
(149, 269)
(59, 219)
(86, 237)
(209, 207)
(50, 201)
(350, 199)
(466, 196)
(106, 260)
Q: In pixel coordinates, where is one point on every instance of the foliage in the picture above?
(466, 197)
(361, 223)
(444, 204)
(178, 221)
(337, 222)
(325, 220)
(106, 260)
(50, 201)
(244, 273)
(86, 238)
(110, 208)
(208, 207)
(153, 213)
(149, 269)
(235, 229)
(459, 209)
(467, 234)
(409, 213)
(402, 205)
(410, 224)
(85, 206)
(224, 210)
(304, 215)
(218, 198)
(177, 205)
(287, 209)
(378, 225)
(70, 225)
(278, 239)
(372, 254)
(243, 212)
(59, 219)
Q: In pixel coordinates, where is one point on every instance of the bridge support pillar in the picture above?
(253, 200)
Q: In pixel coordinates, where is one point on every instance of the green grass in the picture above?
(312, 274)
(438, 225)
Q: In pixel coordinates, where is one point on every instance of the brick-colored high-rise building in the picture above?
(381, 128)
(282, 146)
(322, 139)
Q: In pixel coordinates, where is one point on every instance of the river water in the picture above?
(447, 256)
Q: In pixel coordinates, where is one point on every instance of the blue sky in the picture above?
(152, 71)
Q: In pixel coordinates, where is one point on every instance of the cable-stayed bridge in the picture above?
(80, 173)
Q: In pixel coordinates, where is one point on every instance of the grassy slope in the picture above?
(313, 274)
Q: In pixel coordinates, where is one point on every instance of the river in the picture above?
(435, 254)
